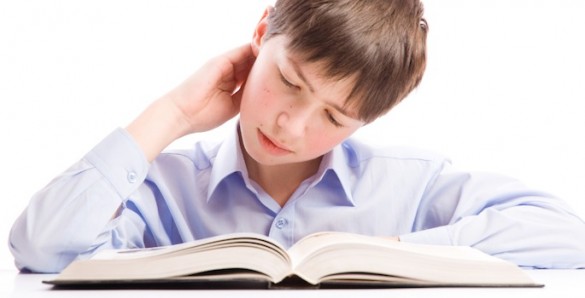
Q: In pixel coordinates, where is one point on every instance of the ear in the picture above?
(260, 31)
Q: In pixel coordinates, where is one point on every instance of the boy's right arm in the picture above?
(64, 218)
(208, 98)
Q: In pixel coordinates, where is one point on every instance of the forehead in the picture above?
(315, 76)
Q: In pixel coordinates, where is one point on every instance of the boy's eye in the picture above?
(332, 119)
(286, 82)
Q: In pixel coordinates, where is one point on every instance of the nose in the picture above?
(294, 121)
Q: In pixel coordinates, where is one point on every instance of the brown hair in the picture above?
(382, 42)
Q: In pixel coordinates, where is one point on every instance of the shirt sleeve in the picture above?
(501, 217)
(65, 217)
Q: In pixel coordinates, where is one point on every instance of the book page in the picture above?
(318, 241)
(325, 255)
(192, 246)
(246, 251)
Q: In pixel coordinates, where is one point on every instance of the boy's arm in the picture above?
(64, 218)
(204, 101)
(501, 217)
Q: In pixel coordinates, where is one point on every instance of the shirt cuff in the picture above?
(121, 161)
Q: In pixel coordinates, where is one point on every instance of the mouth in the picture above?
(272, 146)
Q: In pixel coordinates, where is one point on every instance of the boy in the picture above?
(314, 73)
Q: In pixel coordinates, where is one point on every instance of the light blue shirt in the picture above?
(113, 198)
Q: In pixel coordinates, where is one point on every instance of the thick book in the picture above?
(320, 260)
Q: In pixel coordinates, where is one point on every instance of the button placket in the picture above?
(281, 222)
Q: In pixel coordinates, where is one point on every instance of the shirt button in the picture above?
(132, 177)
(281, 222)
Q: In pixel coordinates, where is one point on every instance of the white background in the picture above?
(504, 89)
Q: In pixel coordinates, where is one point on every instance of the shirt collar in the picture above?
(226, 162)
(335, 169)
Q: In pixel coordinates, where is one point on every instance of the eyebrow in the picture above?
(300, 74)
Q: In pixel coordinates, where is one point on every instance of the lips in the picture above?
(271, 146)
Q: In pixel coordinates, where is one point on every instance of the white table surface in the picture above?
(558, 283)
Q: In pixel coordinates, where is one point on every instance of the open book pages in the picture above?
(320, 258)
(232, 251)
(329, 256)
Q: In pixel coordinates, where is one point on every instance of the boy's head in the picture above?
(380, 43)
(325, 68)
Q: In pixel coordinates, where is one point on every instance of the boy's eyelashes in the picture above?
(286, 82)
(332, 119)
(328, 114)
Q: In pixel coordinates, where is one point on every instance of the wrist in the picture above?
(157, 127)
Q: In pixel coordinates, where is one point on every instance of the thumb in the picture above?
(238, 95)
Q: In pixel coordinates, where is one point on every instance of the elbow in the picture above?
(39, 258)
(562, 248)
(37, 253)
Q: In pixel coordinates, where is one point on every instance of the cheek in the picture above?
(258, 96)
(254, 100)
(320, 143)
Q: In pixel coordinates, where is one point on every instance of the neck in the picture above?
(280, 181)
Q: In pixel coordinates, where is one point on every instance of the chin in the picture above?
(268, 160)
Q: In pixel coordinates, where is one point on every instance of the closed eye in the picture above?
(332, 119)
(286, 82)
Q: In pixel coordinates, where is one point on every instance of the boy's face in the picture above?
(290, 113)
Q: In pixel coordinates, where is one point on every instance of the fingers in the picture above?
(237, 96)
(234, 67)
(242, 59)
(241, 55)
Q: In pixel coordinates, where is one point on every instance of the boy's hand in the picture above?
(207, 99)
(204, 101)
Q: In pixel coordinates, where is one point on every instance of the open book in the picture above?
(327, 259)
